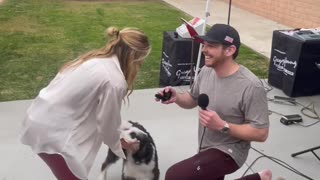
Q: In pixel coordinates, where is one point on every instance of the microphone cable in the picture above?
(204, 130)
(278, 161)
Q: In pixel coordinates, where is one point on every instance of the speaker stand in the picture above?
(307, 150)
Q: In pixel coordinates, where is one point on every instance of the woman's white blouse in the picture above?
(76, 112)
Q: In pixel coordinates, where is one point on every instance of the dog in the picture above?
(141, 165)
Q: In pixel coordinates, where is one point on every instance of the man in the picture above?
(237, 112)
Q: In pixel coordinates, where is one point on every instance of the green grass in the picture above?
(38, 36)
(257, 63)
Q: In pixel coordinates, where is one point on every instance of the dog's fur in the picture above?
(141, 165)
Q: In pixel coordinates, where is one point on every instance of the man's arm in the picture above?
(248, 133)
(185, 100)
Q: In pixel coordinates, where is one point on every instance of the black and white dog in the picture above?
(141, 165)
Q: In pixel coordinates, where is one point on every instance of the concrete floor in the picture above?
(174, 131)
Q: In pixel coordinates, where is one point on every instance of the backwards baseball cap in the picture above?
(222, 33)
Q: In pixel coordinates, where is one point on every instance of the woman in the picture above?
(80, 108)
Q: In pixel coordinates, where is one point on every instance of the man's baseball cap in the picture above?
(222, 33)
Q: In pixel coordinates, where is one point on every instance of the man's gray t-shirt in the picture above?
(238, 99)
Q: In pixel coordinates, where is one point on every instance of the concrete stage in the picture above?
(175, 133)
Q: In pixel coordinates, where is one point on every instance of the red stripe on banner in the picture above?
(195, 20)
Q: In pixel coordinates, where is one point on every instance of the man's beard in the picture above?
(217, 60)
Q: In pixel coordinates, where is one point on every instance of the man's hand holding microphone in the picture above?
(209, 118)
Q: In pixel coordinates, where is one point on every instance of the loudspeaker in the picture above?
(177, 66)
(295, 62)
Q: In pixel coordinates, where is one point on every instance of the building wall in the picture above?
(293, 13)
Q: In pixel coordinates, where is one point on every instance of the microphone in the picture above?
(203, 101)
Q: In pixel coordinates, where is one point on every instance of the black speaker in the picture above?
(177, 66)
(295, 62)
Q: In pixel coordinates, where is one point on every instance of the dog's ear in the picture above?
(139, 126)
(145, 151)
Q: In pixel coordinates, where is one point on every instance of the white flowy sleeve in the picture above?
(109, 119)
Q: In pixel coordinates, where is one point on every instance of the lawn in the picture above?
(38, 36)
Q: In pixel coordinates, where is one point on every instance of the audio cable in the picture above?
(278, 161)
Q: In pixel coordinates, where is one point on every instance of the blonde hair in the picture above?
(130, 45)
